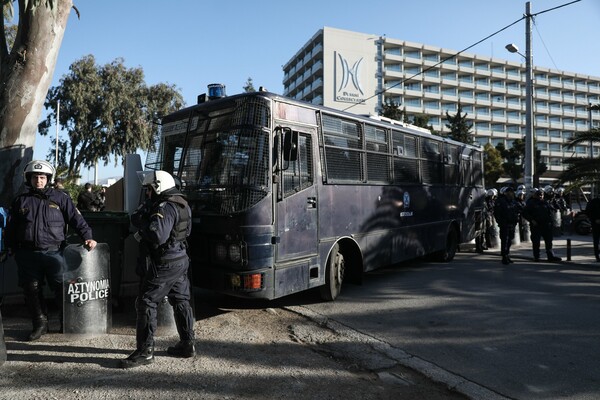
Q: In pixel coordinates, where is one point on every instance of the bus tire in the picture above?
(449, 251)
(334, 274)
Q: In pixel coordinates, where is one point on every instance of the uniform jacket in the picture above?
(39, 218)
(507, 211)
(156, 221)
(539, 211)
(592, 210)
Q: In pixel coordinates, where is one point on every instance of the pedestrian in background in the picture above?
(592, 210)
(35, 234)
(164, 223)
(506, 212)
(87, 200)
(540, 214)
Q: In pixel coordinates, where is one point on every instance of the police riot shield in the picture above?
(86, 290)
(2, 343)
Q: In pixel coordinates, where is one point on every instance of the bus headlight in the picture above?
(235, 253)
(221, 252)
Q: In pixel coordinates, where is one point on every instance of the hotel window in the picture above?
(554, 133)
(412, 102)
(451, 76)
(540, 76)
(412, 70)
(568, 82)
(541, 105)
(467, 109)
(431, 88)
(482, 96)
(482, 81)
(434, 120)
(482, 126)
(449, 59)
(435, 73)
(431, 57)
(554, 119)
(482, 111)
(515, 101)
(449, 107)
(555, 107)
(541, 118)
(465, 63)
(542, 146)
(513, 114)
(393, 84)
(513, 86)
(497, 112)
(482, 140)
(512, 72)
(396, 51)
(541, 132)
(465, 78)
(497, 127)
(555, 162)
(513, 129)
(412, 54)
(498, 84)
(449, 91)
(568, 96)
(497, 141)
(412, 86)
(554, 92)
(432, 104)
(499, 69)
(554, 79)
(498, 98)
(555, 147)
(482, 67)
(466, 93)
(581, 85)
(393, 67)
(581, 149)
(541, 91)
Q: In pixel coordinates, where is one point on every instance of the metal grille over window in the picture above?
(299, 174)
(378, 165)
(343, 148)
(431, 161)
(406, 164)
(225, 165)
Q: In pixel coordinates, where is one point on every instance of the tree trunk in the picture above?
(25, 76)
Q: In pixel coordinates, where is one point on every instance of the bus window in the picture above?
(406, 164)
(431, 164)
(343, 150)
(378, 166)
(299, 174)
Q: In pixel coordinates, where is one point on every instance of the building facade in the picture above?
(358, 72)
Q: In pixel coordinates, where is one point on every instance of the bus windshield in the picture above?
(222, 159)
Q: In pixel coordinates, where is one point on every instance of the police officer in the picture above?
(539, 213)
(36, 236)
(164, 223)
(592, 210)
(506, 212)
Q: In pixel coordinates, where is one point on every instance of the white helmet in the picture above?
(560, 191)
(520, 193)
(549, 189)
(492, 192)
(521, 187)
(503, 189)
(38, 167)
(159, 181)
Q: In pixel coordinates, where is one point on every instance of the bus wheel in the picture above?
(334, 274)
(449, 252)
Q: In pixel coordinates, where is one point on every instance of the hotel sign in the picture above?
(348, 88)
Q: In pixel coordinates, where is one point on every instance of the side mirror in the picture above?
(290, 145)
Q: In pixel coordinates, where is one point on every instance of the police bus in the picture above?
(287, 196)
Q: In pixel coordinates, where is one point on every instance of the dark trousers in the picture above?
(596, 239)
(164, 279)
(537, 233)
(507, 234)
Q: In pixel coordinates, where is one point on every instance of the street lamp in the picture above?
(529, 153)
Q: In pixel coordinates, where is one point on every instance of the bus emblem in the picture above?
(406, 200)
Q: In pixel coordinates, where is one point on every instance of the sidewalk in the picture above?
(581, 251)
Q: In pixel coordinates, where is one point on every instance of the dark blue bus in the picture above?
(289, 196)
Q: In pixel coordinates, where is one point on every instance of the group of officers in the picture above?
(36, 235)
(542, 212)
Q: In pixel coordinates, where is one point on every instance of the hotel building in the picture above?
(359, 73)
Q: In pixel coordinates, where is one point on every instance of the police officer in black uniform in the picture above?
(164, 223)
(592, 210)
(539, 213)
(35, 234)
(506, 212)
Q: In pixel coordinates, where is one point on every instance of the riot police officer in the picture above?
(164, 223)
(539, 213)
(506, 212)
(36, 236)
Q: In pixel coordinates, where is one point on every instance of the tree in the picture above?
(107, 111)
(392, 110)
(514, 166)
(422, 121)
(460, 129)
(492, 164)
(26, 71)
(582, 171)
(248, 86)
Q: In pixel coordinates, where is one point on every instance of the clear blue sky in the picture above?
(191, 43)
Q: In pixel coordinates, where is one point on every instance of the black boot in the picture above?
(36, 306)
(143, 356)
(509, 259)
(553, 258)
(183, 348)
(505, 260)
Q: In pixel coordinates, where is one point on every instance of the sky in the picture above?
(193, 43)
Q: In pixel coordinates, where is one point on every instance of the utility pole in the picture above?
(56, 144)
(529, 145)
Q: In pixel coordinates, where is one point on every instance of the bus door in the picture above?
(297, 202)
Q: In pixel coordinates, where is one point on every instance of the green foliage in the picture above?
(582, 171)
(460, 129)
(248, 86)
(422, 120)
(392, 110)
(492, 164)
(514, 161)
(107, 111)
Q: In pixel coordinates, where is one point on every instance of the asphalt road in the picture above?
(525, 331)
